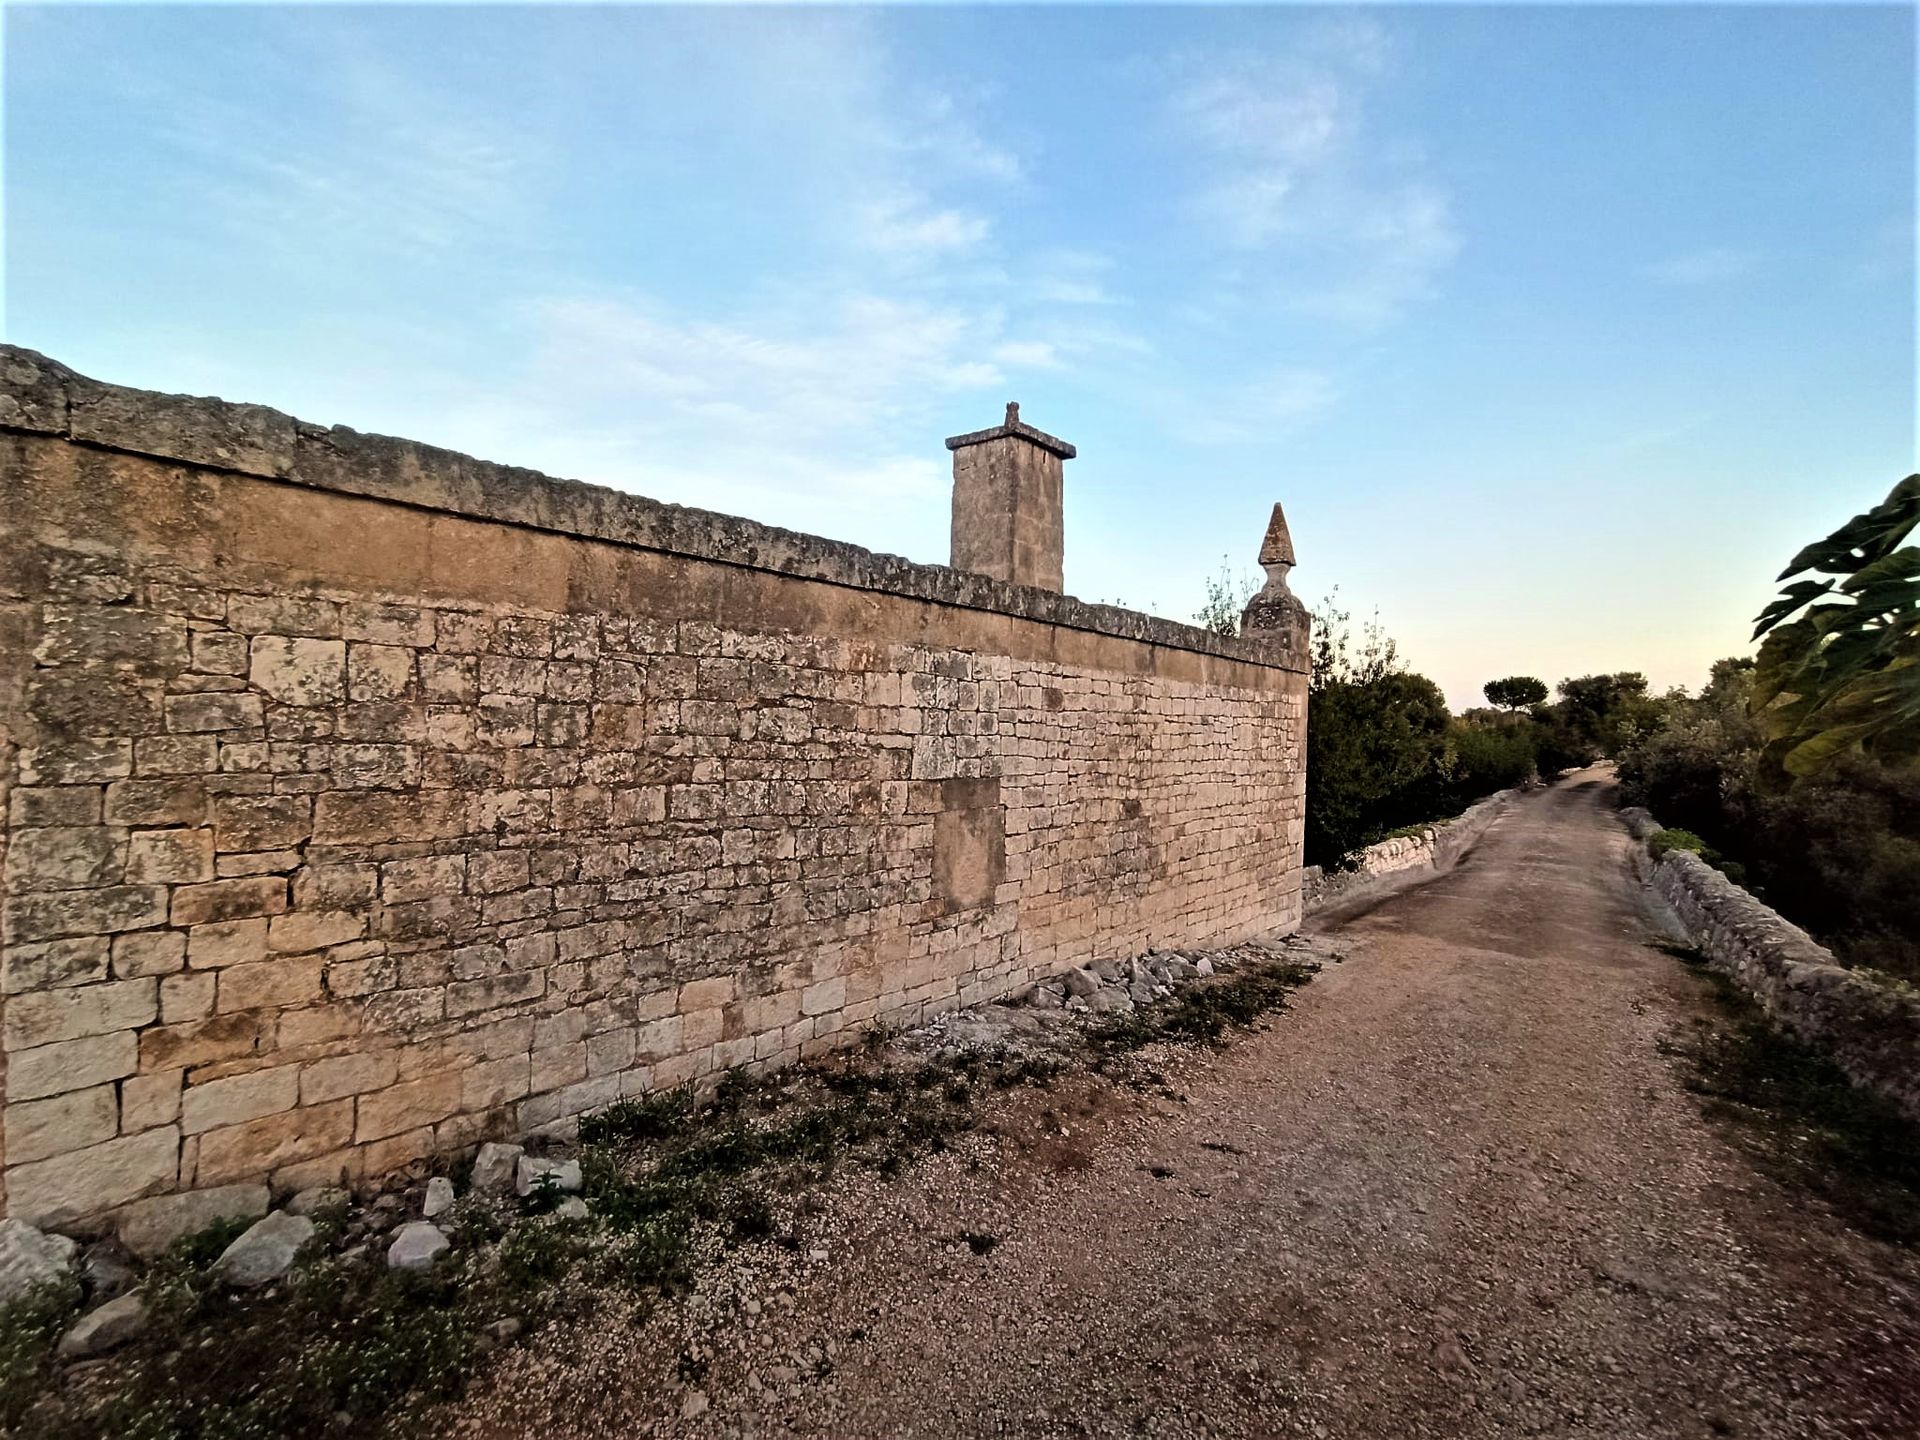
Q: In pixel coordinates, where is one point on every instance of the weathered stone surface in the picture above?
(37, 1129)
(494, 1167)
(1081, 981)
(265, 1252)
(148, 1227)
(416, 1246)
(99, 1178)
(319, 1200)
(1871, 1029)
(105, 1328)
(542, 796)
(30, 1259)
(439, 1197)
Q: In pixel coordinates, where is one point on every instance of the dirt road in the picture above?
(1457, 1191)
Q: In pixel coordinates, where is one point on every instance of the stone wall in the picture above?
(1869, 1027)
(365, 800)
(1433, 847)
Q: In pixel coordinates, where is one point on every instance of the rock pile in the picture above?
(1048, 1015)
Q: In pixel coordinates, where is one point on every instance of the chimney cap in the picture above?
(1014, 425)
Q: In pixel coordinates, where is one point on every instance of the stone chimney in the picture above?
(1006, 503)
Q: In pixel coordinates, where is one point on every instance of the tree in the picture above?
(1341, 659)
(1226, 599)
(1839, 672)
(1516, 692)
(1607, 713)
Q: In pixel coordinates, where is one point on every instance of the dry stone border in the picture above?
(1870, 1027)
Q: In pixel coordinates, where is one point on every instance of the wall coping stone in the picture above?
(39, 395)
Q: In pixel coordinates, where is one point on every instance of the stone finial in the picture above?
(1277, 548)
(1275, 608)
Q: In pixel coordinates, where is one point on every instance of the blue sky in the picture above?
(1556, 329)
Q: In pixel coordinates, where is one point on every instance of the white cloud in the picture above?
(1703, 267)
(821, 419)
(909, 229)
(1289, 176)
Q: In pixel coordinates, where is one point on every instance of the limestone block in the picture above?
(37, 1129)
(264, 1146)
(105, 1328)
(298, 670)
(282, 981)
(65, 857)
(70, 1065)
(148, 952)
(341, 1075)
(229, 900)
(168, 857)
(315, 929)
(148, 1227)
(31, 1259)
(101, 1177)
(406, 1106)
(494, 1167)
(221, 943)
(52, 963)
(235, 1099)
(416, 1246)
(265, 1252)
(46, 1017)
(150, 1100)
(107, 911)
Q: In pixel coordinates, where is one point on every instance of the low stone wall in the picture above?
(1433, 847)
(1872, 1030)
(362, 801)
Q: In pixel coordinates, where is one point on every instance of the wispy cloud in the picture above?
(798, 418)
(399, 167)
(1276, 401)
(1288, 171)
(908, 228)
(1704, 267)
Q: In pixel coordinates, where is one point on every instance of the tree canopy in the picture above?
(1839, 672)
(1516, 692)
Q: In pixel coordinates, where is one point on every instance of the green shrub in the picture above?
(1664, 840)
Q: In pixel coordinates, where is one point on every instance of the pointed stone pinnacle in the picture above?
(1277, 548)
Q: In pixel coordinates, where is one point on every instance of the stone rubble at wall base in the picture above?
(1047, 1019)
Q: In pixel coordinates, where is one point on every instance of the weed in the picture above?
(1200, 1014)
(669, 1178)
(29, 1329)
(1802, 1117)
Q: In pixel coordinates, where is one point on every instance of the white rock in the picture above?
(265, 1252)
(100, 1330)
(571, 1208)
(530, 1168)
(439, 1197)
(148, 1227)
(416, 1247)
(1203, 966)
(319, 1200)
(30, 1258)
(493, 1167)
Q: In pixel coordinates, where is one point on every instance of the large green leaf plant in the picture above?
(1839, 672)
